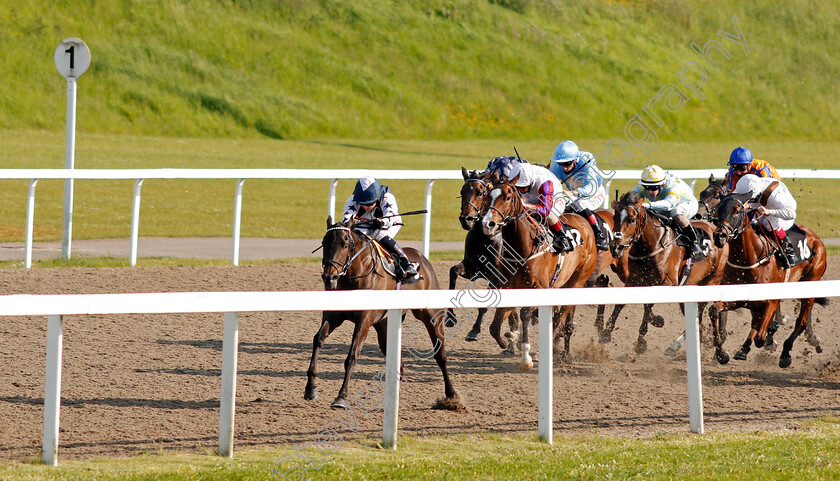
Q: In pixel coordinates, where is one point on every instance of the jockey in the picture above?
(579, 172)
(741, 162)
(542, 192)
(772, 199)
(376, 206)
(667, 193)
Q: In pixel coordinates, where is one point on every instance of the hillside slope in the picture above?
(440, 69)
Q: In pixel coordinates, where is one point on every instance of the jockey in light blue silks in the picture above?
(376, 203)
(579, 172)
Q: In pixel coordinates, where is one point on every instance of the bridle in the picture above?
(709, 215)
(515, 206)
(483, 196)
(352, 254)
(729, 230)
(638, 230)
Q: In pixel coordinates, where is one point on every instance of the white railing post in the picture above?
(227, 406)
(427, 219)
(546, 375)
(692, 361)
(135, 223)
(607, 202)
(392, 379)
(237, 220)
(30, 222)
(331, 201)
(692, 184)
(52, 390)
(69, 164)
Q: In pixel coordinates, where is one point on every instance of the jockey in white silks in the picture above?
(665, 192)
(771, 198)
(376, 203)
(542, 192)
(579, 172)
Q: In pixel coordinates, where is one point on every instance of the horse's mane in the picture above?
(630, 197)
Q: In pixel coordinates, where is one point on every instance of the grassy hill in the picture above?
(439, 69)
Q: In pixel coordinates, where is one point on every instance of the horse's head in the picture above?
(731, 217)
(339, 247)
(503, 203)
(473, 198)
(710, 199)
(629, 222)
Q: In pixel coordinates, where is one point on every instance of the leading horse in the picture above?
(527, 248)
(753, 261)
(351, 261)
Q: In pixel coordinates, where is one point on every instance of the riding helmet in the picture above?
(566, 151)
(523, 171)
(653, 175)
(741, 155)
(367, 191)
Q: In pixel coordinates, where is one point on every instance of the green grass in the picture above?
(809, 452)
(459, 69)
(297, 209)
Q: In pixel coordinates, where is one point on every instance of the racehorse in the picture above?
(655, 258)
(599, 278)
(752, 260)
(481, 255)
(527, 245)
(351, 261)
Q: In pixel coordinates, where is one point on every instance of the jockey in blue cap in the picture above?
(578, 171)
(741, 162)
(376, 206)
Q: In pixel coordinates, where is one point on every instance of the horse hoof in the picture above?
(740, 356)
(759, 343)
(785, 361)
(641, 346)
(785, 319)
(605, 338)
(471, 337)
(339, 403)
(722, 357)
(657, 321)
(771, 346)
(510, 351)
(310, 394)
(512, 335)
(525, 367)
(671, 352)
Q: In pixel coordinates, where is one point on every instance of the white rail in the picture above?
(139, 175)
(231, 303)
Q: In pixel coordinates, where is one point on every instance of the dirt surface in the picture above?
(147, 383)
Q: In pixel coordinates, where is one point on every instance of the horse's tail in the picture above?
(823, 301)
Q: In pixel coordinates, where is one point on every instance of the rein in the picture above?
(483, 198)
(639, 230)
(732, 232)
(516, 206)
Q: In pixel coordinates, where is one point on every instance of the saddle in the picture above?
(798, 239)
(568, 232)
(388, 261)
(703, 237)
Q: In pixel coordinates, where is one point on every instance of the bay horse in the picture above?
(656, 259)
(527, 244)
(481, 254)
(599, 278)
(752, 261)
(351, 261)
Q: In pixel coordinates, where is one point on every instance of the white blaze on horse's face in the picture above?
(487, 223)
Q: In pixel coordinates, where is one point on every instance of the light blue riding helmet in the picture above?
(741, 155)
(566, 151)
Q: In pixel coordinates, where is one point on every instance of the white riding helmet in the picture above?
(653, 175)
(523, 170)
(748, 183)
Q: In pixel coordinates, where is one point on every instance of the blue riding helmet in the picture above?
(741, 155)
(566, 151)
(367, 191)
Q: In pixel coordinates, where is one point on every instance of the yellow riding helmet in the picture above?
(653, 175)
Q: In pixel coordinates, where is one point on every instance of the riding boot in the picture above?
(696, 250)
(561, 242)
(406, 272)
(600, 239)
(787, 256)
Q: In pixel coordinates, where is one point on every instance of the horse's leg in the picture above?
(514, 325)
(473, 334)
(381, 329)
(606, 336)
(329, 322)
(496, 328)
(438, 337)
(563, 320)
(741, 355)
(717, 316)
(813, 339)
(641, 343)
(458, 270)
(360, 332)
(526, 362)
(802, 321)
(770, 308)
